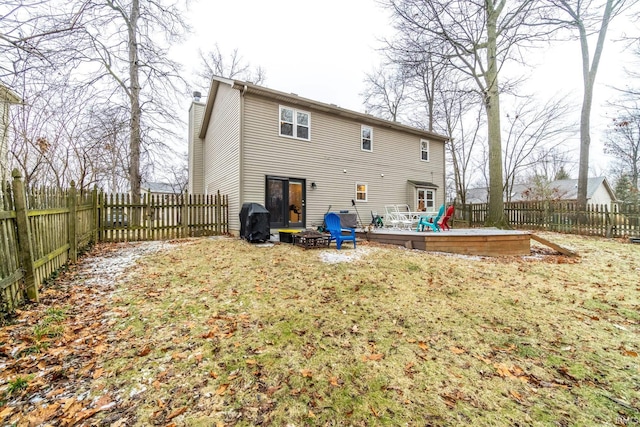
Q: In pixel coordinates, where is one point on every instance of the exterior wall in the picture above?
(601, 196)
(221, 154)
(196, 113)
(335, 147)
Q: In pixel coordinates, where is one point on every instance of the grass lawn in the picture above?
(223, 332)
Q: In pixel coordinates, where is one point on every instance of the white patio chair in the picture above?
(391, 217)
(405, 217)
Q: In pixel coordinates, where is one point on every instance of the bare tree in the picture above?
(122, 38)
(34, 28)
(480, 37)
(623, 142)
(588, 18)
(463, 123)
(532, 128)
(385, 91)
(231, 66)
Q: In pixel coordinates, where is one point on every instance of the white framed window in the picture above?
(361, 191)
(426, 199)
(295, 123)
(366, 134)
(424, 150)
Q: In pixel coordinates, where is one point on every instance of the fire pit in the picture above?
(311, 239)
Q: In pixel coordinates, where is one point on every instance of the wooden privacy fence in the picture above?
(564, 217)
(42, 230)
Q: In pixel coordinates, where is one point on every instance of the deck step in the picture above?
(563, 251)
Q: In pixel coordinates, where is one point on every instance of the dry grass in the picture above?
(228, 333)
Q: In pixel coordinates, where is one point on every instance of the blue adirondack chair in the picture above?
(430, 221)
(332, 225)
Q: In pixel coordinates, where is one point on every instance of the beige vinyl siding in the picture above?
(222, 151)
(335, 146)
(196, 172)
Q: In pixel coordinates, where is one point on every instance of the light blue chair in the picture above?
(430, 221)
(332, 225)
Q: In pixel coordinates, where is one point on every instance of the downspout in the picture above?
(241, 159)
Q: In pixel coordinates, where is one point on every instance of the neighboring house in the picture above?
(299, 157)
(7, 97)
(598, 192)
(158, 188)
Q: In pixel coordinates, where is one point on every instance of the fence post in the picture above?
(25, 248)
(218, 203)
(94, 203)
(185, 214)
(72, 204)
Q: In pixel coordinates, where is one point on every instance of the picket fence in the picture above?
(42, 230)
(596, 220)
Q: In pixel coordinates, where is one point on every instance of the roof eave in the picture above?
(294, 99)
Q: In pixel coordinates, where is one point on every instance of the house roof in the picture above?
(8, 95)
(565, 189)
(422, 184)
(294, 99)
(158, 187)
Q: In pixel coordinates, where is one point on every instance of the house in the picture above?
(159, 188)
(301, 158)
(7, 97)
(598, 192)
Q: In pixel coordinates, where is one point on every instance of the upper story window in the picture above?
(367, 138)
(424, 150)
(361, 191)
(294, 123)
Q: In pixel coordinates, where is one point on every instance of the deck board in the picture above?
(473, 241)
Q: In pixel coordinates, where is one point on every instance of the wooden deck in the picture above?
(469, 241)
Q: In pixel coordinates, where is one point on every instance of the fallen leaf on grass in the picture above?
(6, 412)
(222, 389)
(375, 357)
(97, 373)
(42, 414)
(423, 345)
(630, 353)
(177, 412)
(374, 412)
(145, 351)
(306, 373)
(456, 350)
(334, 381)
(516, 395)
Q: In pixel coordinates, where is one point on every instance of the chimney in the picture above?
(196, 96)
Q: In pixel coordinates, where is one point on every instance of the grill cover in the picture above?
(254, 223)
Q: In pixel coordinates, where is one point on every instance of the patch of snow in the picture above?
(344, 255)
(108, 267)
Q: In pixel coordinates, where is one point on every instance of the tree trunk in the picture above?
(589, 76)
(134, 97)
(495, 210)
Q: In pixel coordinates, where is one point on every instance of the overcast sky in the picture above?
(322, 50)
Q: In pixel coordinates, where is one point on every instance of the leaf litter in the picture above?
(221, 332)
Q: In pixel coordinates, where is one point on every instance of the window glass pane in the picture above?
(286, 115)
(425, 155)
(303, 119)
(286, 129)
(366, 133)
(302, 132)
(366, 144)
